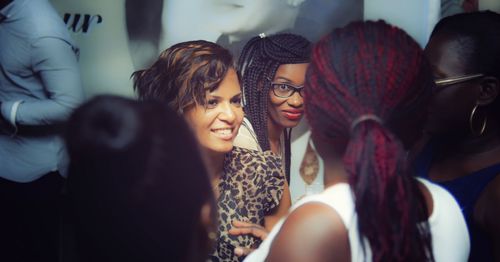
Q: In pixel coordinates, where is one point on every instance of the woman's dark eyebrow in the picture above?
(284, 79)
(220, 97)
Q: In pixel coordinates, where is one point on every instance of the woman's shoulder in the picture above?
(440, 199)
(258, 174)
(253, 157)
(447, 225)
(260, 167)
(303, 242)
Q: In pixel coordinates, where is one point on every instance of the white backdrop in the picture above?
(118, 36)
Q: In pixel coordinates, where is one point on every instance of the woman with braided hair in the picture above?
(463, 154)
(198, 81)
(272, 71)
(366, 95)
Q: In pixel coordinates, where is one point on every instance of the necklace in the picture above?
(309, 167)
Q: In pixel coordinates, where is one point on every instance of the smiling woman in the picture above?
(197, 80)
(285, 95)
(216, 124)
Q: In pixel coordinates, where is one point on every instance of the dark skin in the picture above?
(314, 231)
(277, 122)
(464, 152)
(328, 239)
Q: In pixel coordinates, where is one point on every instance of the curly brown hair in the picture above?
(183, 73)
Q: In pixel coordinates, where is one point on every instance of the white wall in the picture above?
(416, 17)
(104, 55)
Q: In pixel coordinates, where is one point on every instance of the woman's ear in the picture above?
(490, 87)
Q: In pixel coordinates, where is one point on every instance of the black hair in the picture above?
(478, 35)
(131, 164)
(257, 66)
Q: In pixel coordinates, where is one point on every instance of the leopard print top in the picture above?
(250, 188)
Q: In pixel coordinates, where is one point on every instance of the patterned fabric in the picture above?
(250, 188)
(309, 167)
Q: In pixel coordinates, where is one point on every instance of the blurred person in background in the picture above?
(40, 85)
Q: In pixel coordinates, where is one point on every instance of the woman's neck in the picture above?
(473, 145)
(215, 163)
(334, 171)
(274, 132)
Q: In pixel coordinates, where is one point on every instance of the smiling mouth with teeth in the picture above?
(224, 133)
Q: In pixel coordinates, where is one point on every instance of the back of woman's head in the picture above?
(183, 73)
(363, 82)
(478, 37)
(257, 66)
(136, 182)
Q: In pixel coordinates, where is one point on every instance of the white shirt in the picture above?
(450, 238)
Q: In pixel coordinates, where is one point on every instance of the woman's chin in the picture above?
(290, 123)
(222, 149)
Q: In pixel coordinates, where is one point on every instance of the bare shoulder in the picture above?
(312, 232)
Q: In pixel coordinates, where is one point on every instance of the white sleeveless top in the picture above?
(450, 238)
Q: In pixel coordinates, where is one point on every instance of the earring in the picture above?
(471, 122)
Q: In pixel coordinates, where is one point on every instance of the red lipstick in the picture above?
(293, 114)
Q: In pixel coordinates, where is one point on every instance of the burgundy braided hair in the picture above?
(374, 68)
(257, 66)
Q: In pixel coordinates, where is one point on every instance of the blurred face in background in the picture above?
(234, 17)
(216, 123)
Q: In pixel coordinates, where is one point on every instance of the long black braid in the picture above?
(257, 67)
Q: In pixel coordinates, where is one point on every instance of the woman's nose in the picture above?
(295, 100)
(227, 113)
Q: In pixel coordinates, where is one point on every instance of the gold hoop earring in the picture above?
(471, 122)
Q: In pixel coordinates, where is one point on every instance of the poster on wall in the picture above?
(117, 37)
(451, 7)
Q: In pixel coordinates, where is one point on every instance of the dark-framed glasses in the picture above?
(456, 79)
(284, 90)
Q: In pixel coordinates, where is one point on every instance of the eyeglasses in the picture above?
(283, 90)
(456, 79)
